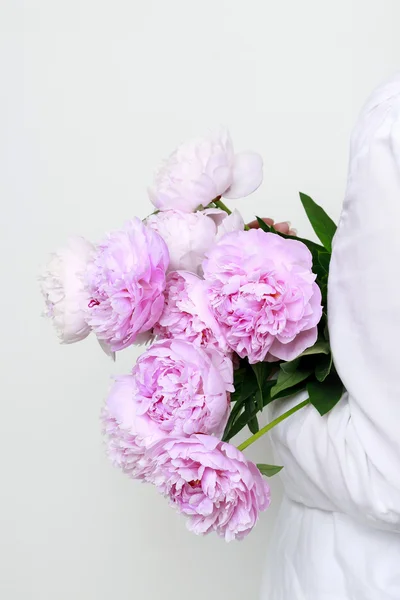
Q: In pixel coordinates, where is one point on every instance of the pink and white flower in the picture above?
(177, 388)
(201, 170)
(186, 313)
(211, 483)
(126, 282)
(125, 451)
(183, 388)
(263, 294)
(189, 235)
(64, 291)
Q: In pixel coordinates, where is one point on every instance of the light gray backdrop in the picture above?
(92, 95)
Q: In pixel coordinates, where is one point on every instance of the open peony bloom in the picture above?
(182, 388)
(125, 451)
(262, 292)
(175, 388)
(211, 483)
(62, 285)
(127, 434)
(200, 170)
(126, 282)
(189, 235)
(186, 313)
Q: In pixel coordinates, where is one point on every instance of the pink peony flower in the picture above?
(210, 482)
(175, 388)
(186, 313)
(126, 282)
(199, 171)
(62, 285)
(124, 450)
(127, 436)
(181, 388)
(263, 294)
(189, 235)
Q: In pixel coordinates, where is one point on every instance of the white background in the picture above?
(92, 95)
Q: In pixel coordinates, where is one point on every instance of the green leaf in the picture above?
(323, 367)
(259, 401)
(262, 371)
(239, 424)
(249, 385)
(235, 413)
(253, 425)
(269, 470)
(324, 259)
(246, 398)
(231, 428)
(245, 383)
(290, 366)
(324, 293)
(320, 347)
(264, 226)
(251, 409)
(300, 387)
(286, 380)
(325, 395)
(267, 387)
(322, 224)
(238, 378)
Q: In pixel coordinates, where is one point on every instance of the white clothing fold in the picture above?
(338, 535)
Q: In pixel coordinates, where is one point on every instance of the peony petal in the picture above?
(188, 236)
(247, 175)
(125, 283)
(187, 315)
(292, 350)
(209, 482)
(64, 290)
(261, 291)
(233, 222)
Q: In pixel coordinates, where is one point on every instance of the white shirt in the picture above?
(338, 533)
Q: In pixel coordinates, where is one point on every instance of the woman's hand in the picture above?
(283, 227)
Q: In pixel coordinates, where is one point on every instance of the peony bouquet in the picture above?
(232, 318)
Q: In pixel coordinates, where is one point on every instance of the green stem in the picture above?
(218, 202)
(271, 425)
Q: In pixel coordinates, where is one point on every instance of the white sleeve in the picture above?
(349, 460)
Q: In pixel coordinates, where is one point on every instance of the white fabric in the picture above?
(338, 535)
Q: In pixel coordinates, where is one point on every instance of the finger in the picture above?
(283, 227)
(255, 225)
